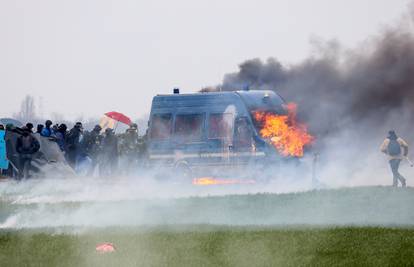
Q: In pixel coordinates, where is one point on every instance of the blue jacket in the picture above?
(46, 132)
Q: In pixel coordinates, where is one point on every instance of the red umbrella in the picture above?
(119, 117)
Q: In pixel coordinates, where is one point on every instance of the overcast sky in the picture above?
(94, 56)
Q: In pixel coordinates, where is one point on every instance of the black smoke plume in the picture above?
(369, 87)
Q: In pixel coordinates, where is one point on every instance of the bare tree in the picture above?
(27, 110)
(57, 117)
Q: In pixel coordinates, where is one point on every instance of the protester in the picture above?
(39, 128)
(61, 136)
(11, 152)
(55, 128)
(92, 147)
(73, 144)
(3, 156)
(47, 131)
(392, 147)
(26, 146)
(109, 153)
(30, 126)
(130, 148)
(142, 143)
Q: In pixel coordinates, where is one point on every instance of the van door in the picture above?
(220, 138)
(243, 144)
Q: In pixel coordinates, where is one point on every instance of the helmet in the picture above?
(63, 127)
(134, 126)
(48, 123)
(29, 126)
(97, 128)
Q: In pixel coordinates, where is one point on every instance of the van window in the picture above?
(220, 126)
(243, 136)
(161, 126)
(189, 127)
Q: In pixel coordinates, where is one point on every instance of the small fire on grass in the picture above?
(285, 133)
(215, 181)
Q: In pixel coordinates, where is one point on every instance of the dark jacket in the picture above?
(110, 146)
(92, 143)
(27, 145)
(73, 139)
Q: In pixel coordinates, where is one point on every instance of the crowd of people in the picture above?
(96, 152)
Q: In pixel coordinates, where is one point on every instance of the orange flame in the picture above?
(215, 181)
(287, 135)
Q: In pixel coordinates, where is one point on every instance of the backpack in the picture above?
(27, 142)
(394, 148)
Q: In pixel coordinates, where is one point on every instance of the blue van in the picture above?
(203, 132)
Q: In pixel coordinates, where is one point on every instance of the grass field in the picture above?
(211, 246)
(366, 226)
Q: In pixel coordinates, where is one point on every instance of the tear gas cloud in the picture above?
(100, 202)
(78, 204)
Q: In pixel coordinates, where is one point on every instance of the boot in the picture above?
(403, 184)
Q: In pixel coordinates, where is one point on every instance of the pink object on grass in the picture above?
(105, 247)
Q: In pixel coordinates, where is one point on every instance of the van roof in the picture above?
(253, 99)
(244, 92)
(197, 94)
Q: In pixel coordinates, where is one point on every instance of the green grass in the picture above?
(211, 246)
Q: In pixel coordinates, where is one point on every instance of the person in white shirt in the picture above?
(396, 149)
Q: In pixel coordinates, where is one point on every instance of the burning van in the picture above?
(205, 132)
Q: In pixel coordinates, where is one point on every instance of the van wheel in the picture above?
(183, 172)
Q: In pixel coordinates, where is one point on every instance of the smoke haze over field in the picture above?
(86, 202)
